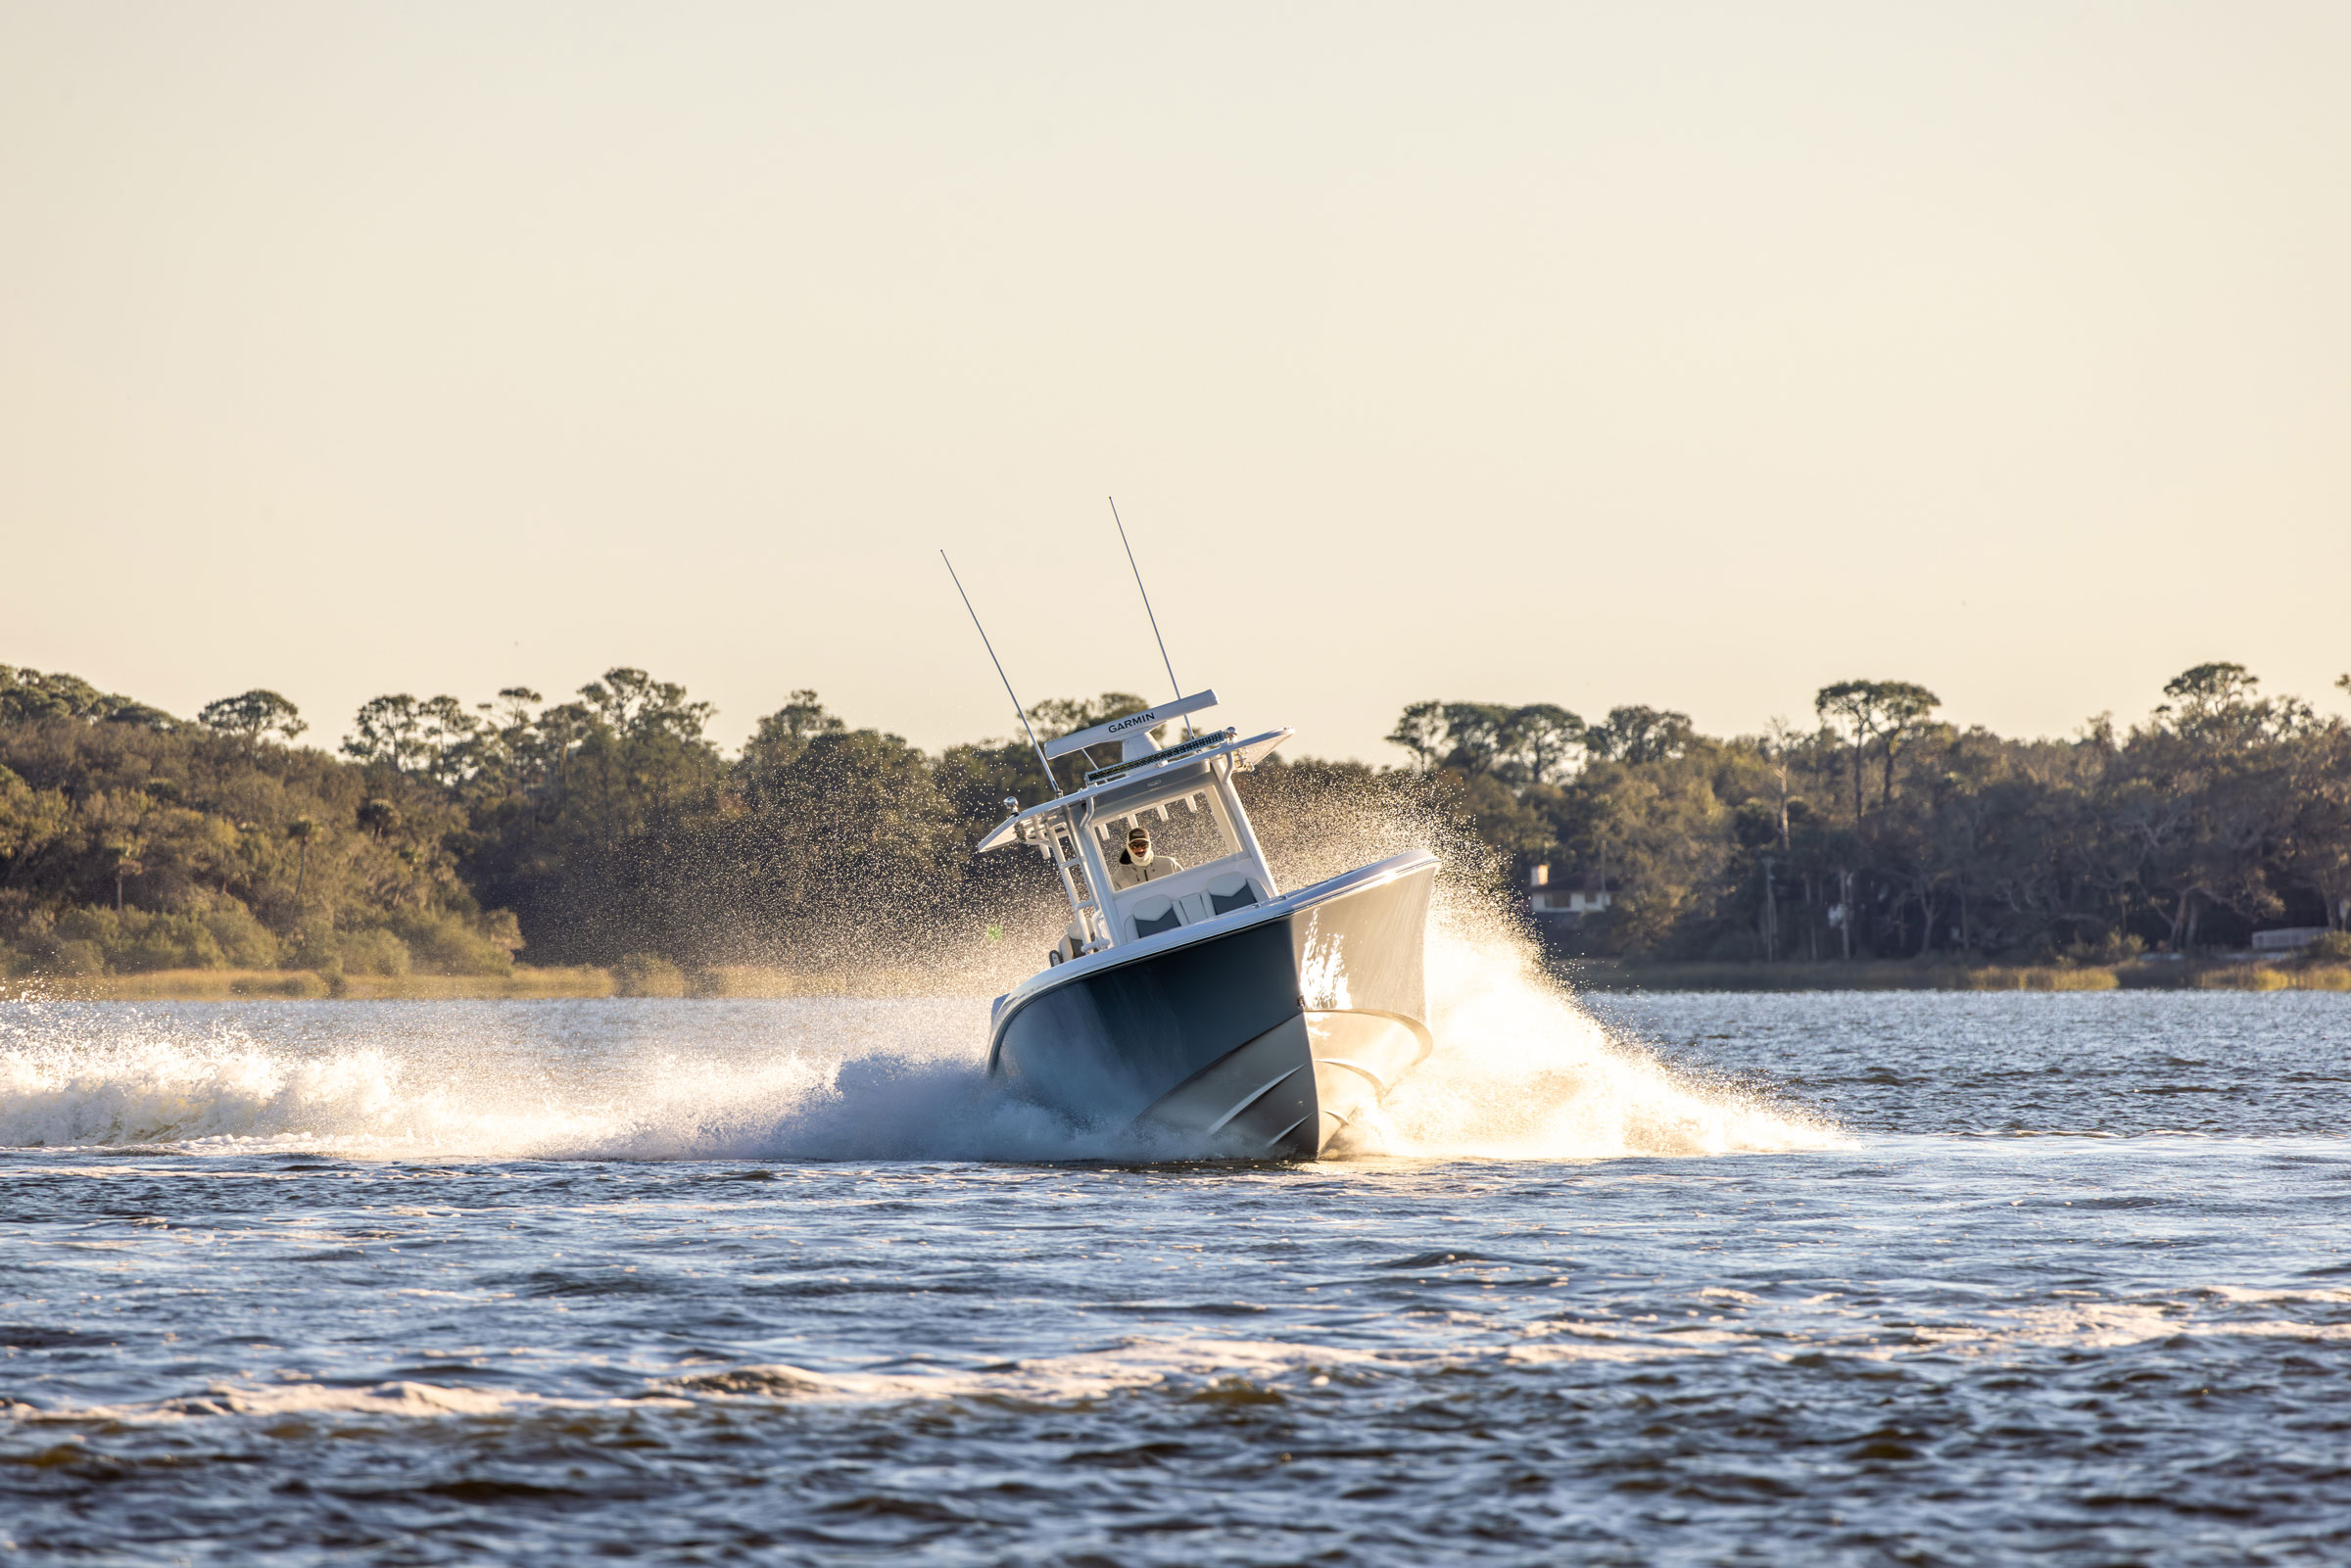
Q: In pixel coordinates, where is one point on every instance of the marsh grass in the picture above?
(225, 985)
(1896, 975)
(754, 983)
(525, 984)
(2039, 978)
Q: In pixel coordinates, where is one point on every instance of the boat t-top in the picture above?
(1190, 993)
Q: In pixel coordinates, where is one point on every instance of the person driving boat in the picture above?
(1136, 862)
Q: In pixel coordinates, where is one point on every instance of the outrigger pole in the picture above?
(1000, 675)
(1147, 610)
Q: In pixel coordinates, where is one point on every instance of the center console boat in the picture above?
(1190, 993)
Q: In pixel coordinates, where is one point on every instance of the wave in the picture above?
(1520, 1073)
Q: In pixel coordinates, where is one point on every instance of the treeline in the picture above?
(449, 836)
(132, 840)
(1882, 832)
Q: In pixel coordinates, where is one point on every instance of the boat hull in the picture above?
(1258, 1037)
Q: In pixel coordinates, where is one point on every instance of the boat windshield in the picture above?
(1191, 829)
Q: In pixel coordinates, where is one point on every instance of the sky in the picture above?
(1694, 355)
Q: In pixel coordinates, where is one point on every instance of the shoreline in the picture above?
(1608, 976)
(1604, 976)
(527, 983)
(310, 985)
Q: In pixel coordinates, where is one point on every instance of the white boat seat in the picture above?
(1229, 893)
(1155, 915)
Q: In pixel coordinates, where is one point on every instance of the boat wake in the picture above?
(1520, 1073)
(463, 1088)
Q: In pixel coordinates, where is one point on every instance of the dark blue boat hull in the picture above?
(1261, 1036)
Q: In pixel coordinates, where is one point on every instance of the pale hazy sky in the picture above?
(1690, 354)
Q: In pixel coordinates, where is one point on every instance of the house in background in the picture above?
(1570, 900)
(2286, 938)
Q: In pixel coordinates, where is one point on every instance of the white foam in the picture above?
(1213, 1368)
(403, 1399)
(140, 1082)
(1135, 1361)
(1206, 1367)
(1520, 1073)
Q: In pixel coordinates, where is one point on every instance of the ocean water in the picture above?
(1895, 1278)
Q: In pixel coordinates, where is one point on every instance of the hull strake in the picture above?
(1266, 1040)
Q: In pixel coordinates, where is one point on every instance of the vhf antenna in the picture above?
(1000, 675)
(1147, 610)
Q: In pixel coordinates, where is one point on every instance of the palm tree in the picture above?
(300, 829)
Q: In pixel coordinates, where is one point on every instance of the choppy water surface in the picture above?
(1847, 1279)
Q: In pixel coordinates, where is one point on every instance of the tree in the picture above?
(302, 830)
(1422, 730)
(635, 705)
(1543, 734)
(2318, 849)
(2217, 768)
(388, 729)
(786, 732)
(1481, 736)
(125, 853)
(2211, 688)
(432, 740)
(1862, 711)
(1638, 733)
(1777, 747)
(252, 717)
(28, 695)
(1664, 837)
(1905, 710)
